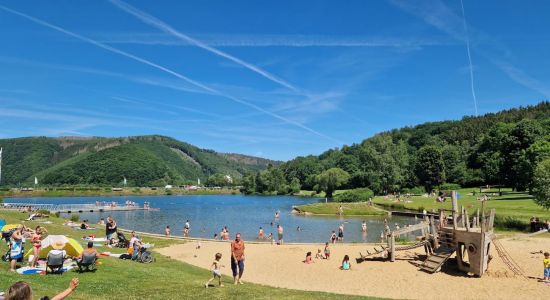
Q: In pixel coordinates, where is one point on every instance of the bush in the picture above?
(355, 195)
(75, 218)
(57, 214)
(43, 211)
(449, 187)
(510, 223)
(417, 190)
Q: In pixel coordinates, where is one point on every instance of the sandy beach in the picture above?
(282, 266)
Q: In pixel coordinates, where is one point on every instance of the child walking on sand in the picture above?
(327, 251)
(216, 270)
(546, 262)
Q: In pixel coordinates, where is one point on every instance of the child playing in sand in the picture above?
(309, 259)
(327, 251)
(319, 254)
(346, 265)
(546, 262)
(216, 270)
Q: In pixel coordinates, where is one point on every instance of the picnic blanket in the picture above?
(40, 270)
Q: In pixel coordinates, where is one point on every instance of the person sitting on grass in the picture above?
(308, 259)
(216, 270)
(346, 265)
(90, 249)
(22, 291)
(546, 263)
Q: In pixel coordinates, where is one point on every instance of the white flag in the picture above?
(35, 180)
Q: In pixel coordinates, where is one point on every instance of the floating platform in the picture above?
(71, 208)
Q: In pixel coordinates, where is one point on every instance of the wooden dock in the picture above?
(71, 208)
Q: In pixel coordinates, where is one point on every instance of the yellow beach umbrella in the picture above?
(61, 242)
(9, 227)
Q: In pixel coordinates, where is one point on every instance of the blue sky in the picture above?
(275, 79)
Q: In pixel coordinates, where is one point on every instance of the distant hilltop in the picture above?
(152, 160)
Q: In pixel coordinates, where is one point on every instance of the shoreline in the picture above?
(99, 193)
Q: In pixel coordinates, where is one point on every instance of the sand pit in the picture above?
(282, 266)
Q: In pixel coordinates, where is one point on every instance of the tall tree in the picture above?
(430, 167)
(541, 184)
(332, 179)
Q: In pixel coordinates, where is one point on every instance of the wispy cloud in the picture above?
(166, 70)
(149, 19)
(440, 16)
(469, 56)
(273, 40)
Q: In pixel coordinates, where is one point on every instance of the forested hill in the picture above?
(497, 148)
(143, 160)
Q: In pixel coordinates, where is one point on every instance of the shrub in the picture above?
(57, 214)
(355, 195)
(43, 211)
(417, 190)
(75, 218)
(449, 187)
(510, 223)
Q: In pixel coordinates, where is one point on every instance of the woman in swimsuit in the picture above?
(36, 241)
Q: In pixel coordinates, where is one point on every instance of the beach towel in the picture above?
(90, 239)
(39, 270)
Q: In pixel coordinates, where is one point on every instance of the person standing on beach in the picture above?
(237, 258)
(167, 231)
(110, 230)
(280, 231)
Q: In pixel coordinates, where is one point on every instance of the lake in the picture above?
(207, 214)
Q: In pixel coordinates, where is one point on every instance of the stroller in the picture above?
(122, 241)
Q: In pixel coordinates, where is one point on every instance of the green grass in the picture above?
(350, 209)
(164, 279)
(511, 207)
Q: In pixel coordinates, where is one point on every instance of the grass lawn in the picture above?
(515, 205)
(514, 209)
(350, 209)
(120, 279)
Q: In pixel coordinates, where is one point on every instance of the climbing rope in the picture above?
(506, 258)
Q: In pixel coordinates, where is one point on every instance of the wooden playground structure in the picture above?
(471, 240)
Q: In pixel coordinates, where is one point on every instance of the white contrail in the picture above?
(146, 18)
(171, 72)
(469, 56)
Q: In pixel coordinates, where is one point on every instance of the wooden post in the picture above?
(491, 219)
(482, 221)
(467, 222)
(455, 208)
(463, 217)
(392, 247)
(477, 218)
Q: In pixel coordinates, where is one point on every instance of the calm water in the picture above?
(209, 213)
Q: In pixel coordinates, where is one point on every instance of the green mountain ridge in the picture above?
(143, 160)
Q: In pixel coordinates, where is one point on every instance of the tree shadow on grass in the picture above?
(522, 197)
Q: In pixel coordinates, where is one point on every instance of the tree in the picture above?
(430, 167)
(294, 186)
(332, 179)
(541, 184)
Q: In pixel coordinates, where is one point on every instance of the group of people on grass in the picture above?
(538, 225)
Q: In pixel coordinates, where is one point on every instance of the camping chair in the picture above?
(54, 263)
(87, 263)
